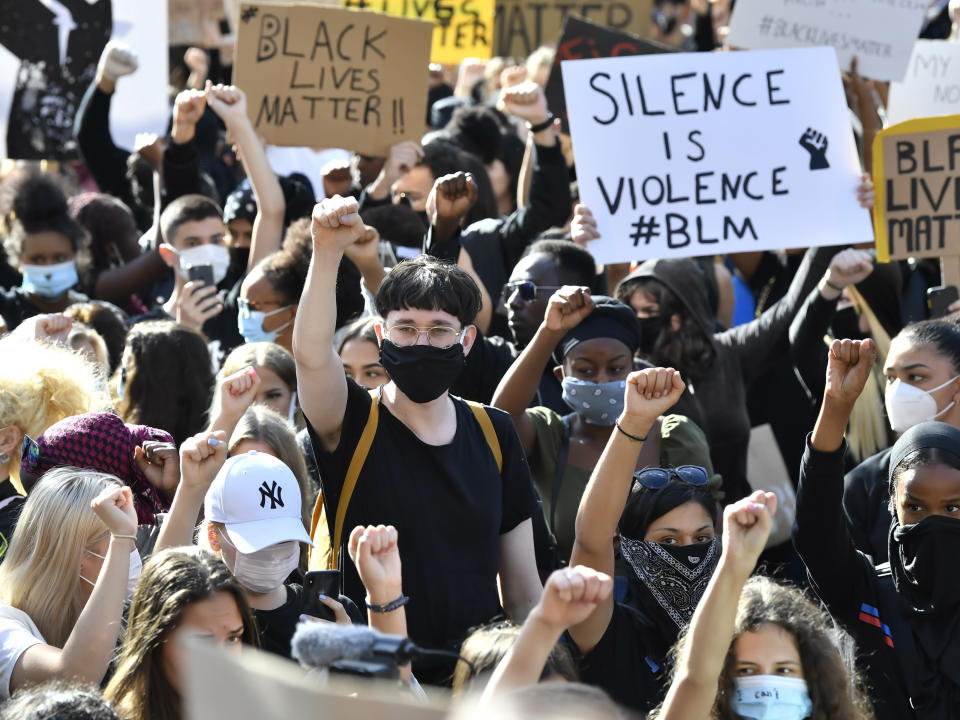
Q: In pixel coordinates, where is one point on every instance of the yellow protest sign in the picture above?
(916, 172)
(462, 28)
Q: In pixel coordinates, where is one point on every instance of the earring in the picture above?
(4, 458)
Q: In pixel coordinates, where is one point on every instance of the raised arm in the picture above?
(181, 167)
(230, 103)
(570, 596)
(820, 532)
(201, 458)
(807, 349)
(321, 383)
(746, 527)
(86, 654)
(231, 398)
(649, 393)
(566, 309)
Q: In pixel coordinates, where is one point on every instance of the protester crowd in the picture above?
(238, 406)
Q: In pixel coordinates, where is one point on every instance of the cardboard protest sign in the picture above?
(916, 173)
(256, 684)
(524, 25)
(584, 39)
(45, 71)
(320, 76)
(932, 84)
(462, 28)
(686, 154)
(879, 32)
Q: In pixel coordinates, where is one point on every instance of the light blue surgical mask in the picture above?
(250, 323)
(49, 281)
(596, 403)
(771, 697)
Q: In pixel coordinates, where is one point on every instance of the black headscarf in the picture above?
(609, 319)
(923, 564)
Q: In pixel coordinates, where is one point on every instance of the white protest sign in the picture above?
(687, 154)
(45, 71)
(932, 84)
(879, 32)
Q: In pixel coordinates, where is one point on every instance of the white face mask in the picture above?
(210, 254)
(265, 570)
(133, 574)
(771, 697)
(908, 405)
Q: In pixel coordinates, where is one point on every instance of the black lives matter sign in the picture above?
(332, 77)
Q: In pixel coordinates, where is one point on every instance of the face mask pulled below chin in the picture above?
(265, 570)
(49, 281)
(216, 256)
(771, 697)
(596, 403)
(133, 573)
(908, 405)
(422, 372)
(250, 324)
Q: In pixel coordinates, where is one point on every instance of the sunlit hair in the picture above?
(41, 384)
(832, 680)
(40, 574)
(172, 580)
(262, 354)
(486, 646)
(80, 334)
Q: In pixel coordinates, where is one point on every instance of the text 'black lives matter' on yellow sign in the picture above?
(916, 171)
(330, 77)
(522, 26)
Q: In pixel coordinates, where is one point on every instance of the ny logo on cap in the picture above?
(273, 493)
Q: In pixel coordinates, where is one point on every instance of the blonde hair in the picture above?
(81, 333)
(41, 384)
(40, 574)
(867, 432)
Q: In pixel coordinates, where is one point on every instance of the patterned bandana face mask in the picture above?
(675, 575)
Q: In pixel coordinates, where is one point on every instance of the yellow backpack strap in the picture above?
(489, 434)
(327, 552)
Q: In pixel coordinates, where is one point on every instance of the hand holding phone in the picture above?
(201, 273)
(939, 300)
(315, 584)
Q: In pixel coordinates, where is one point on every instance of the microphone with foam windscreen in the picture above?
(352, 649)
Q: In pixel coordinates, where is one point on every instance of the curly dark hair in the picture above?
(834, 685)
(108, 320)
(688, 349)
(171, 382)
(59, 699)
(41, 206)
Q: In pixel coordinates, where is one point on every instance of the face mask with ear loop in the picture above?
(133, 574)
(908, 405)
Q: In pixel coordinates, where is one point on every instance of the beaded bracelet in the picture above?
(390, 606)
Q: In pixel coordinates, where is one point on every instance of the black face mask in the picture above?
(422, 372)
(239, 256)
(923, 559)
(650, 328)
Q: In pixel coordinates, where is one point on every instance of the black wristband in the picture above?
(632, 437)
(390, 606)
(540, 126)
(831, 285)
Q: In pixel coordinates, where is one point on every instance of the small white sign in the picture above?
(880, 33)
(688, 154)
(932, 84)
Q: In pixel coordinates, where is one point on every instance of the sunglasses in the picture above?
(527, 290)
(659, 478)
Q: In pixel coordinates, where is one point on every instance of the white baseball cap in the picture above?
(257, 498)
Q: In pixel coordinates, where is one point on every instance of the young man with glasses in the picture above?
(430, 470)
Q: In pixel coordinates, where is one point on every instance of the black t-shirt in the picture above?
(11, 503)
(450, 506)
(625, 662)
(276, 627)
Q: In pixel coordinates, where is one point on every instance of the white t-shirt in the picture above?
(17, 634)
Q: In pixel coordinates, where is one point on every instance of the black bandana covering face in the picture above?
(675, 575)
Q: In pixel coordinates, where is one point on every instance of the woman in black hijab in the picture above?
(905, 614)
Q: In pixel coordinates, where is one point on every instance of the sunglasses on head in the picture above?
(527, 290)
(658, 478)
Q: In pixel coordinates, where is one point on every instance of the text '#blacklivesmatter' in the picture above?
(329, 76)
(619, 97)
